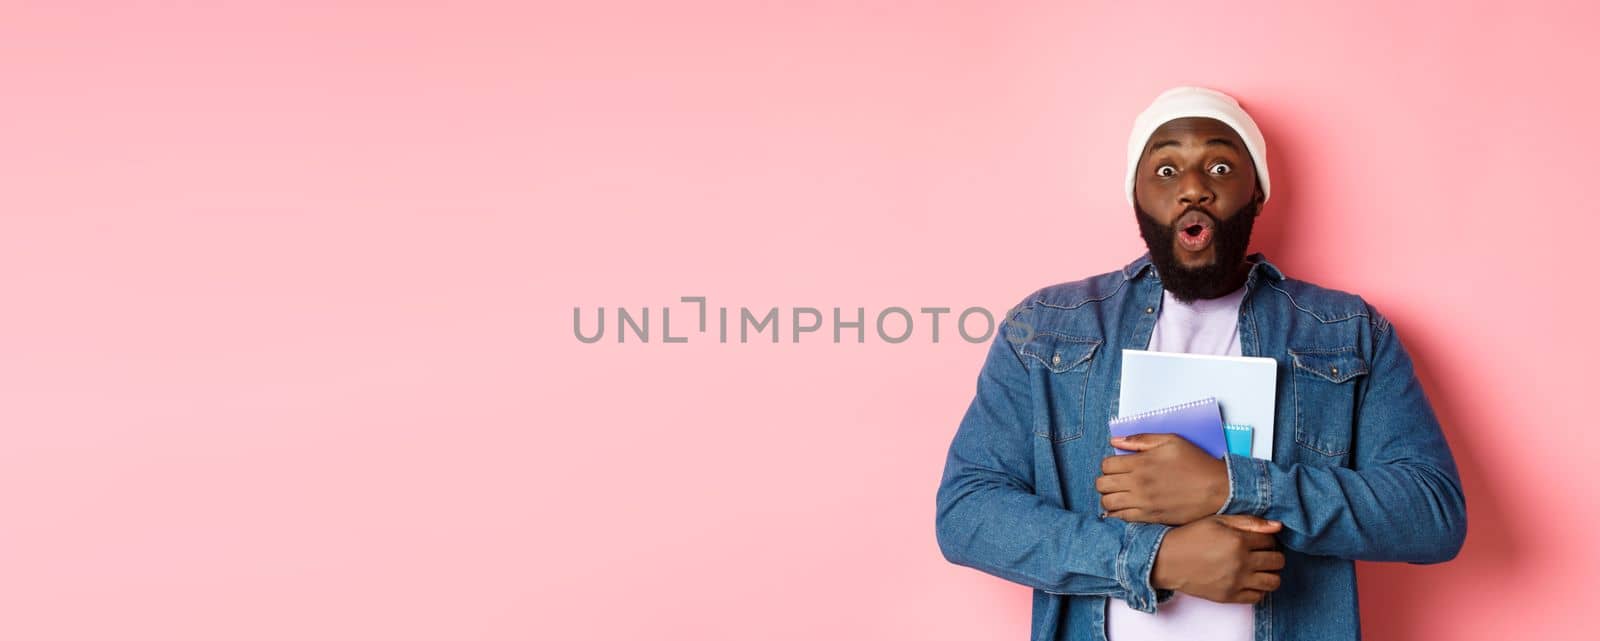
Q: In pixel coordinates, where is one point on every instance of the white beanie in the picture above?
(1186, 102)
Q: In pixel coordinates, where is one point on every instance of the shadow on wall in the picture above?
(1393, 595)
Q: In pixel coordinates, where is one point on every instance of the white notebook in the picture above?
(1245, 388)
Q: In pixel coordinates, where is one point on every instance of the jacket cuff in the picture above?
(1135, 562)
(1249, 486)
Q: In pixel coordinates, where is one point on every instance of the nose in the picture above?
(1194, 190)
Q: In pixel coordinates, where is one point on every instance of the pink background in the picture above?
(287, 346)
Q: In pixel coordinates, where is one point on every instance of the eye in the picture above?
(1166, 171)
(1221, 168)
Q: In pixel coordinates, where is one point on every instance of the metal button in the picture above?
(1057, 361)
(1335, 371)
(1149, 310)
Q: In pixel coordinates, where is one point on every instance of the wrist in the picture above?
(1161, 570)
(1220, 488)
(1249, 486)
(1136, 562)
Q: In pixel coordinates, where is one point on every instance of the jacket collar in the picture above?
(1260, 268)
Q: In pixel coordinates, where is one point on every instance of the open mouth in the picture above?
(1195, 230)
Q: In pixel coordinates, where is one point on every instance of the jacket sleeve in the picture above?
(1400, 500)
(989, 517)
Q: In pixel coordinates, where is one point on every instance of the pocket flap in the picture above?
(1334, 365)
(1060, 352)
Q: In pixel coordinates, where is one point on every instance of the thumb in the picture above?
(1141, 442)
(1250, 523)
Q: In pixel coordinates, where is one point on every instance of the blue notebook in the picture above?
(1199, 421)
(1240, 438)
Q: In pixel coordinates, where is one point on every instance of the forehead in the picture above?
(1193, 132)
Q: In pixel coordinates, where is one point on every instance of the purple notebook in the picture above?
(1198, 421)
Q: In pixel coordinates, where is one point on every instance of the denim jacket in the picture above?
(1360, 469)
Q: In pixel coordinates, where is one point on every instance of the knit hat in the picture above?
(1185, 102)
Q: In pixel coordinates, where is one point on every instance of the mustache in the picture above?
(1196, 208)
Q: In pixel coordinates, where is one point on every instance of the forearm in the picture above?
(1400, 511)
(990, 525)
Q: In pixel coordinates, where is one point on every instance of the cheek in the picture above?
(1242, 190)
(1151, 198)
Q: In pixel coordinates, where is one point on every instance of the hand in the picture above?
(1166, 480)
(1226, 558)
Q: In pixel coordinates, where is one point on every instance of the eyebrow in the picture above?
(1214, 141)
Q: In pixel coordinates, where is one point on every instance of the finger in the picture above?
(1116, 465)
(1248, 596)
(1118, 501)
(1250, 523)
(1132, 515)
(1266, 560)
(1112, 483)
(1141, 442)
(1263, 581)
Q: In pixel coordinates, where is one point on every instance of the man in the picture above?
(1168, 542)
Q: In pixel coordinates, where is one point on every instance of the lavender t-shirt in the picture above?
(1201, 327)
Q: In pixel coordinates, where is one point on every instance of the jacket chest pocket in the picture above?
(1062, 383)
(1325, 383)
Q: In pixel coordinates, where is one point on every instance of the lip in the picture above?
(1198, 242)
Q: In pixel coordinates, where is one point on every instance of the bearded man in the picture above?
(1169, 542)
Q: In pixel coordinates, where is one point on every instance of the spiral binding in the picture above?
(1165, 410)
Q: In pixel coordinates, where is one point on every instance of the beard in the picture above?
(1230, 241)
